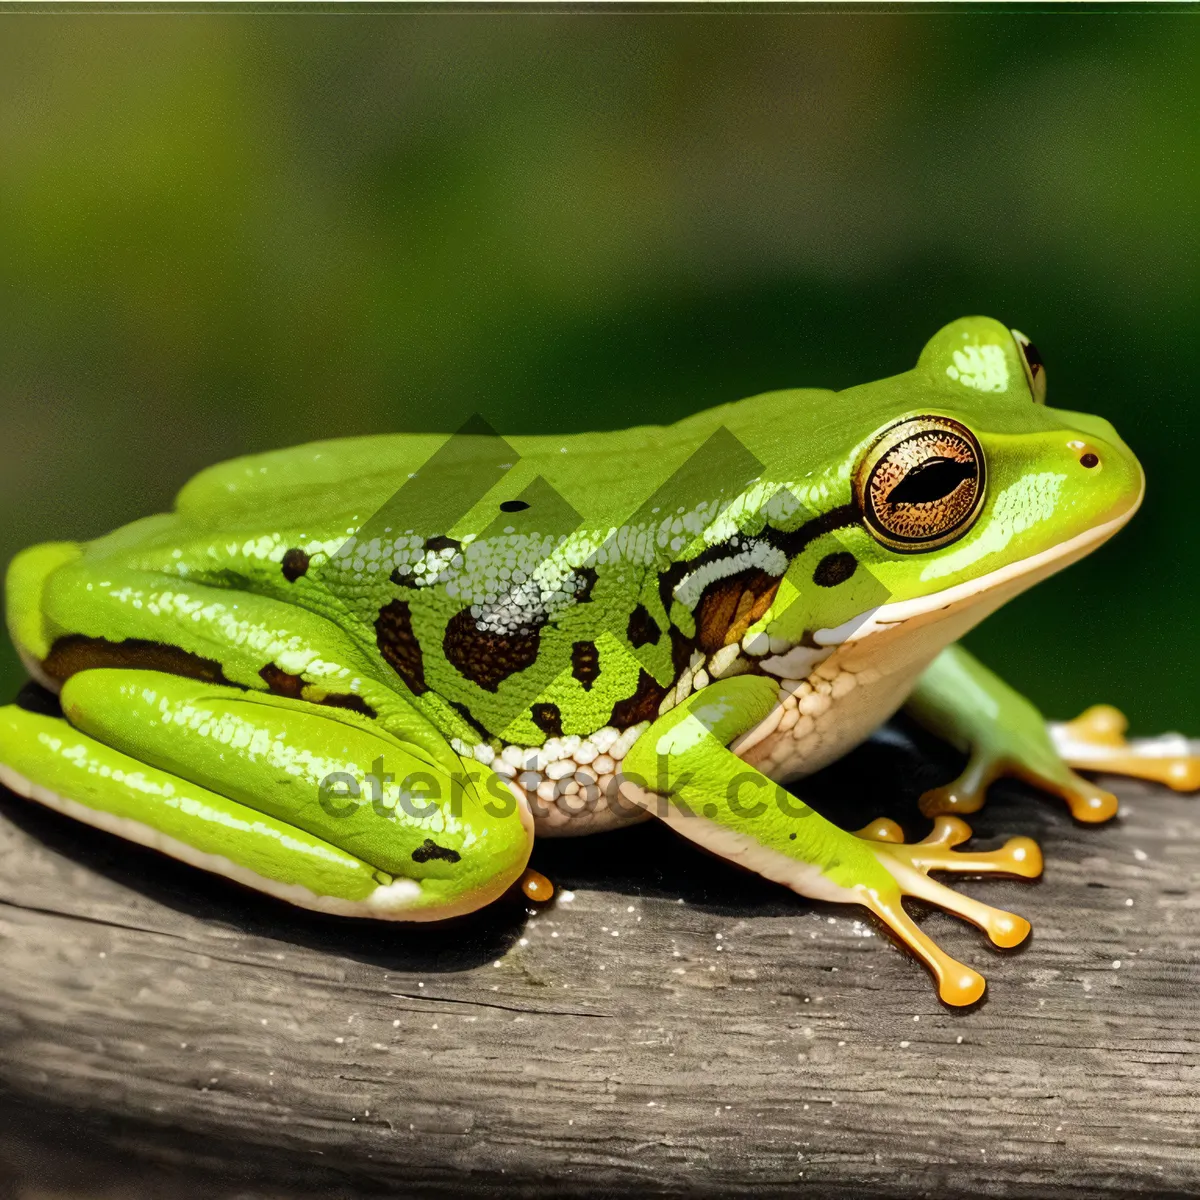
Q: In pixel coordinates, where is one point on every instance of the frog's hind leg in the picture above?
(314, 805)
(43, 759)
(1095, 741)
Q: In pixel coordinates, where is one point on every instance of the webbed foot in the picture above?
(1033, 759)
(1095, 741)
(909, 865)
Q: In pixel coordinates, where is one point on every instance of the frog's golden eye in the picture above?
(1035, 369)
(921, 484)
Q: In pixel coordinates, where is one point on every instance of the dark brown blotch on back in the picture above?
(75, 652)
(484, 657)
(642, 705)
(399, 646)
(350, 701)
(442, 543)
(835, 568)
(294, 564)
(547, 718)
(643, 630)
(585, 663)
(429, 849)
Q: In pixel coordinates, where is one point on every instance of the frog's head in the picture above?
(964, 487)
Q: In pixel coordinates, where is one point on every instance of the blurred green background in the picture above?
(224, 233)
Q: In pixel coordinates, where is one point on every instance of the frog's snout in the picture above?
(1096, 458)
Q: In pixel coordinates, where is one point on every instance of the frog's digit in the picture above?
(1095, 741)
(536, 886)
(683, 770)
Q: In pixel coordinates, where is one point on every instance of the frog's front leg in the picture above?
(959, 699)
(684, 770)
(317, 806)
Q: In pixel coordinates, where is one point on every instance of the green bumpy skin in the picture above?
(359, 674)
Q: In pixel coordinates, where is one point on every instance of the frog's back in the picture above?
(604, 475)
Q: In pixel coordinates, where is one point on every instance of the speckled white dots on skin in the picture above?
(1032, 499)
(983, 368)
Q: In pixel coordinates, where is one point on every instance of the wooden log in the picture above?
(668, 1026)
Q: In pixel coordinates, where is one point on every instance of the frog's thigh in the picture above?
(682, 769)
(44, 759)
(431, 842)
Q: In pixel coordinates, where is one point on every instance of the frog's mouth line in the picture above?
(1001, 583)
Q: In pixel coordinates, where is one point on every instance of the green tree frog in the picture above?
(362, 674)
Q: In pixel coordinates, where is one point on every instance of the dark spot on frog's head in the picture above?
(294, 564)
(547, 718)
(442, 543)
(513, 506)
(429, 849)
(835, 568)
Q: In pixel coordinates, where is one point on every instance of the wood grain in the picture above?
(669, 1026)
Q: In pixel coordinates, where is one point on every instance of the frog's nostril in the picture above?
(1089, 460)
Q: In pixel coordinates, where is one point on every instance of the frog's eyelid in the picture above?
(1035, 369)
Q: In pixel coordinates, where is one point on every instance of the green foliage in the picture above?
(225, 233)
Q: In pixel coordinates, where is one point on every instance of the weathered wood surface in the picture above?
(676, 1027)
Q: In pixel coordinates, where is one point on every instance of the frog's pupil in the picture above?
(933, 479)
